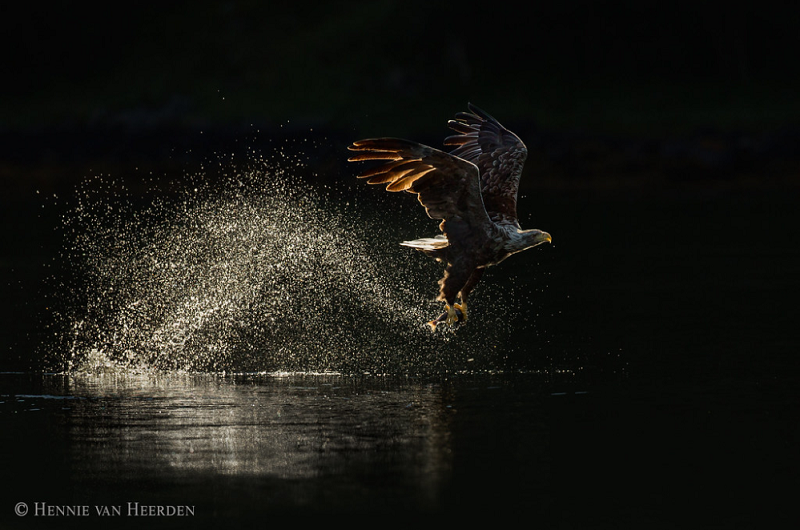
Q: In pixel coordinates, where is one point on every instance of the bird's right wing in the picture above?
(447, 186)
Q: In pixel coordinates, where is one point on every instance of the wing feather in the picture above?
(385, 168)
(499, 155)
(378, 155)
(447, 186)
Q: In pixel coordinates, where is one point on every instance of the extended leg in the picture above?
(474, 278)
(455, 277)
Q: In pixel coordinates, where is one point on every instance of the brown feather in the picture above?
(457, 139)
(377, 170)
(381, 179)
(402, 180)
(460, 127)
(499, 155)
(380, 155)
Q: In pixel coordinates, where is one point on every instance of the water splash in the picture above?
(255, 271)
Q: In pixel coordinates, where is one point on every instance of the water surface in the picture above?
(247, 448)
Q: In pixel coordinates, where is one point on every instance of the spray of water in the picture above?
(252, 271)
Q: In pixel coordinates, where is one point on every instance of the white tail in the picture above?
(427, 243)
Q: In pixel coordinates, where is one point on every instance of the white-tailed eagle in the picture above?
(473, 189)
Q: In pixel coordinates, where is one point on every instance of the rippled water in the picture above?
(249, 446)
(243, 449)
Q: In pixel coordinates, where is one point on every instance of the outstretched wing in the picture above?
(498, 153)
(448, 187)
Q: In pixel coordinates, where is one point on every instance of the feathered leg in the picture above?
(455, 277)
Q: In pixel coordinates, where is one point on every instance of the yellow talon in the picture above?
(463, 308)
(452, 316)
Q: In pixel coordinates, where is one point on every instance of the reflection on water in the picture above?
(290, 427)
(249, 447)
(321, 441)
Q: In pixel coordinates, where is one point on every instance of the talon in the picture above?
(463, 308)
(452, 316)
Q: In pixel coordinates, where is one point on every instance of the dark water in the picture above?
(249, 448)
(656, 388)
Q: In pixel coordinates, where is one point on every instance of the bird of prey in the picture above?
(472, 189)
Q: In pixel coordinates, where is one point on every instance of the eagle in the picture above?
(472, 189)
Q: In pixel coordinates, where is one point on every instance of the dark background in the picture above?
(600, 90)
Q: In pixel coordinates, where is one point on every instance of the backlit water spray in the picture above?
(254, 270)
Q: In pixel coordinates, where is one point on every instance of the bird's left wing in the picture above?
(498, 153)
(447, 186)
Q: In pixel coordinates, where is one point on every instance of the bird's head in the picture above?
(536, 237)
